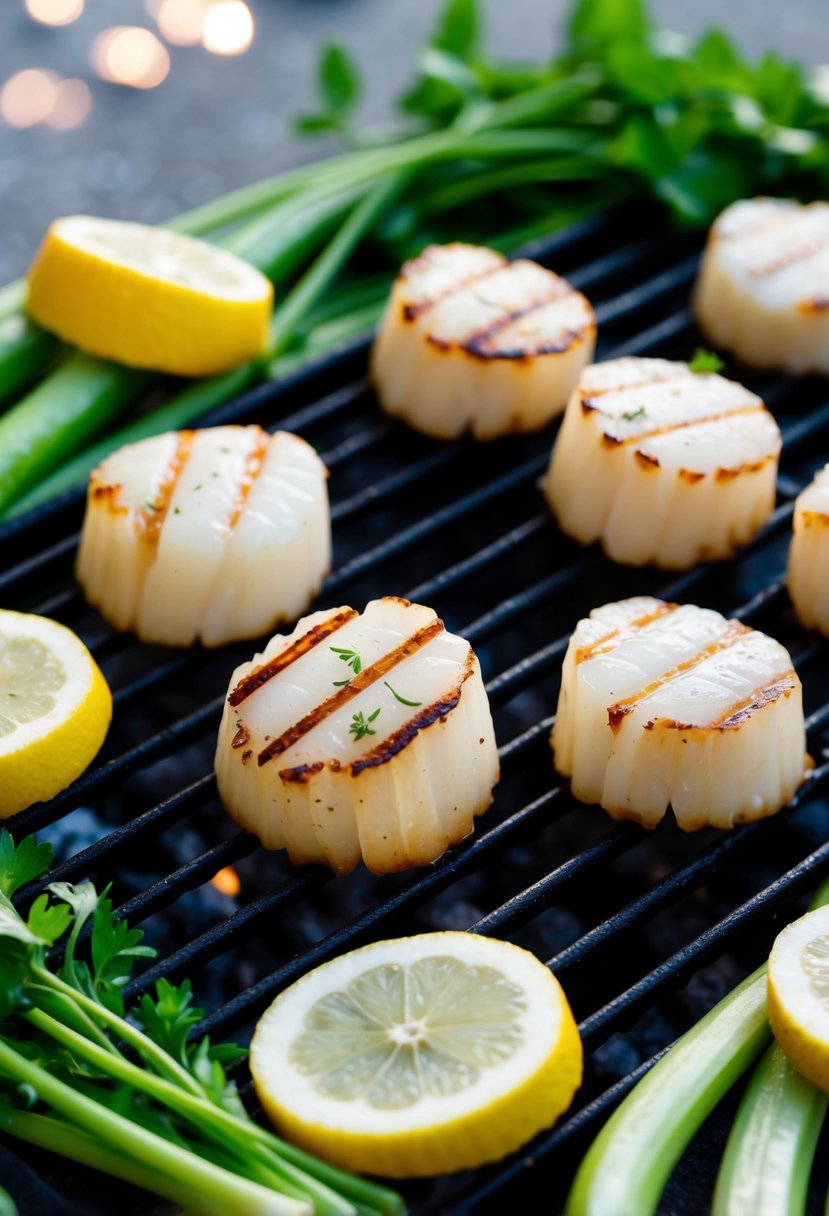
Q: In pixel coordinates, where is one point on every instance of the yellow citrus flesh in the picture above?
(148, 297)
(55, 709)
(798, 995)
(418, 1055)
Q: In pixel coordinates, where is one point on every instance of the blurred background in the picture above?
(141, 108)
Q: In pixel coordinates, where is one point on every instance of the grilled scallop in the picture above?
(808, 573)
(667, 705)
(359, 737)
(661, 464)
(470, 341)
(763, 287)
(214, 535)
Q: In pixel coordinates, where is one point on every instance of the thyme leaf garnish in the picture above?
(402, 700)
(360, 725)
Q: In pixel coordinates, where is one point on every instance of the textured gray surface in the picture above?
(217, 123)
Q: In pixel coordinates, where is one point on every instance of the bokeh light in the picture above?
(28, 97)
(130, 55)
(228, 27)
(73, 104)
(181, 21)
(54, 12)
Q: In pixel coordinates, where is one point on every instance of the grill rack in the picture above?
(451, 525)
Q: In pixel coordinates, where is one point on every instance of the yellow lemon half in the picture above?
(148, 297)
(419, 1055)
(798, 994)
(55, 709)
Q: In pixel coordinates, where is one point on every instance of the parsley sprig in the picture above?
(133, 1092)
(705, 361)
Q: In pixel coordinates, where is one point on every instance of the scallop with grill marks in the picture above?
(214, 535)
(664, 704)
(470, 341)
(359, 737)
(808, 573)
(661, 464)
(763, 287)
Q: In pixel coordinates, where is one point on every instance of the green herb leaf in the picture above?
(402, 700)
(351, 658)
(115, 947)
(632, 415)
(360, 726)
(459, 29)
(21, 863)
(594, 24)
(705, 361)
(49, 921)
(338, 81)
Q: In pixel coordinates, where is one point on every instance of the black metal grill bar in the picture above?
(628, 1005)
(198, 870)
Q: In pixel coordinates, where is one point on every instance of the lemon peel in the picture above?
(798, 994)
(148, 297)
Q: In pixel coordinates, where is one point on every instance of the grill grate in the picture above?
(624, 917)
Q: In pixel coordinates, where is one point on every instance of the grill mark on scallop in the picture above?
(411, 312)
(251, 683)
(618, 711)
(368, 676)
(766, 694)
(254, 464)
(617, 636)
(150, 522)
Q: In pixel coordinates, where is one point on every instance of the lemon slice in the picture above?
(55, 709)
(798, 994)
(419, 1055)
(148, 297)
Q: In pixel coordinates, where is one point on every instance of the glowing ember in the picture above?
(54, 12)
(227, 881)
(131, 56)
(73, 102)
(182, 21)
(228, 27)
(28, 97)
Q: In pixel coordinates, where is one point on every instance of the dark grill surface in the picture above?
(645, 931)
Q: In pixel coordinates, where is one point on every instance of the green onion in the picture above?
(628, 1164)
(768, 1157)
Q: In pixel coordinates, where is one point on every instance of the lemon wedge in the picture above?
(419, 1055)
(55, 709)
(148, 297)
(798, 994)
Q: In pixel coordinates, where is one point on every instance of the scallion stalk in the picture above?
(628, 1164)
(768, 1156)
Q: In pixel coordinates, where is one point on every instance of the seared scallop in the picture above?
(359, 737)
(662, 464)
(213, 535)
(672, 705)
(763, 286)
(470, 341)
(808, 573)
